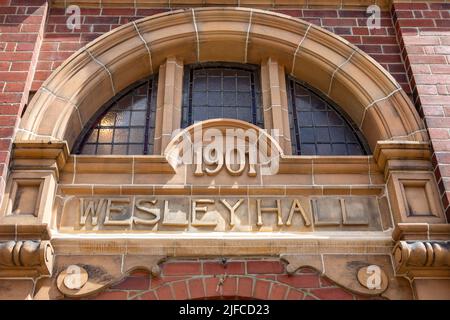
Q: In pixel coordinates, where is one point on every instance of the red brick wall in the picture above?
(424, 33)
(21, 34)
(250, 279)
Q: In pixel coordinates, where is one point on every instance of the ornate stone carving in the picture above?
(89, 277)
(25, 257)
(421, 257)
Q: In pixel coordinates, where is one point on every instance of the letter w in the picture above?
(93, 208)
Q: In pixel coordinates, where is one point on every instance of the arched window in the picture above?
(221, 91)
(125, 125)
(318, 127)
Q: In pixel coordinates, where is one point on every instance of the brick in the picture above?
(438, 133)
(332, 294)
(440, 68)
(10, 109)
(6, 132)
(211, 287)
(17, 56)
(148, 296)
(294, 295)
(245, 287)
(164, 293)
(100, 20)
(338, 22)
(426, 89)
(20, 66)
(432, 79)
(410, 6)
(7, 120)
(300, 281)
(10, 97)
(270, 267)
(196, 288)
(438, 122)
(229, 287)
(416, 23)
(290, 12)
(181, 268)
(387, 58)
(134, 283)
(278, 291)
(261, 289)
(219, 268)
(444, 23)
(320, 13)
(436, 99)
(324, 282)
(112, 295)
(180, 290)
(360, 31)
(117, 12)
(379, 40)
(443, 157)
(14, 87)
(370, 48)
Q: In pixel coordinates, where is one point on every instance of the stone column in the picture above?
(275, 104)
(168, 110)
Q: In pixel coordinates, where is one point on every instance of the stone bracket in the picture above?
(422, 258)
(26, 258)
(353, 272)
(84, 278)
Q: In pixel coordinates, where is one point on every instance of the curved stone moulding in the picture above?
(26, 256)
(344, 73)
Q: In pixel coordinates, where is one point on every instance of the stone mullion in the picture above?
(275, 107)
(168, 110)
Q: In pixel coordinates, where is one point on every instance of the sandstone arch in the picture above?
(95, 73)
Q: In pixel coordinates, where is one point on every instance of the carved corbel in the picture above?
(362, 274)
(422, 258)
(26, 258)
(85, 279)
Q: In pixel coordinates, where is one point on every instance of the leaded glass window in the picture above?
(318, 127)
(125, 125)
(221, 91)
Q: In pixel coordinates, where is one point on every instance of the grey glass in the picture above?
(318, 127)
(221, 91)
(125, 126)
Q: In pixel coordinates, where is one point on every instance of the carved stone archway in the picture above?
(95, 73)
(394, 190)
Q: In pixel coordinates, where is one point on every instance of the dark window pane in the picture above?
(214, 83)
(317, 128)
(127, 120)
(308, 149)
(323, 149)
(200, 84)
(230, 92)
(214, 98)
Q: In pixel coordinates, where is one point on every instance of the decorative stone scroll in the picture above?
(26, 257)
